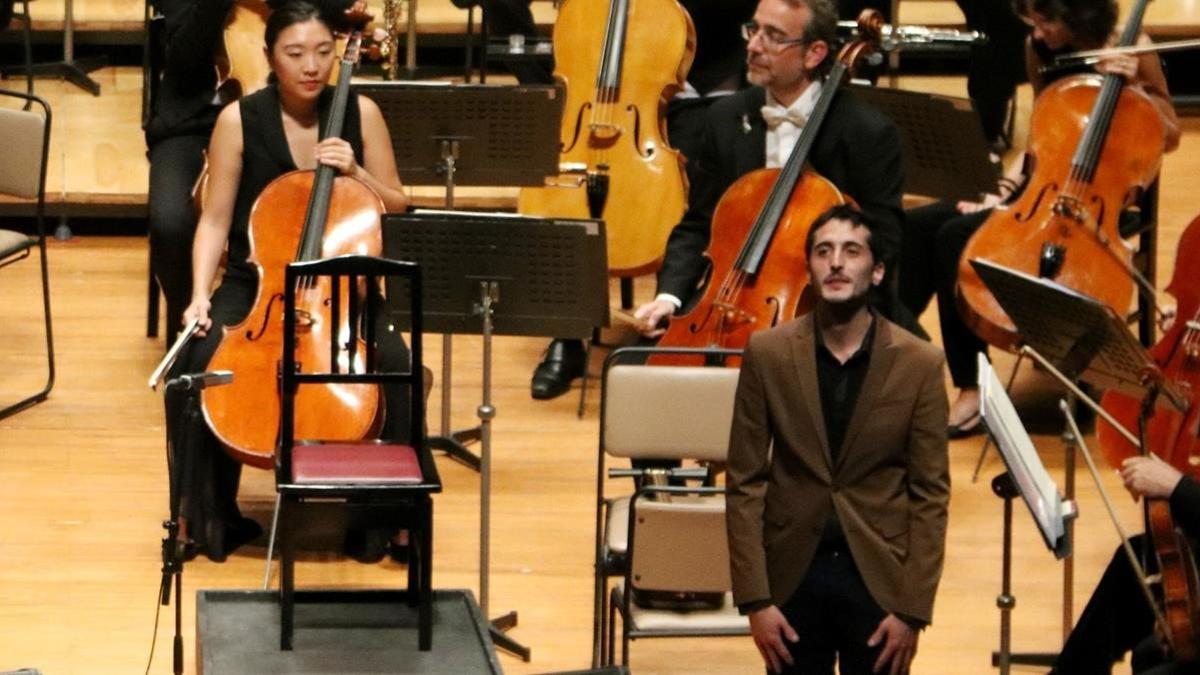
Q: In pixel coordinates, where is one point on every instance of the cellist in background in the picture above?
(259, 138)
(186, 105)
(718, 70)
(788, 53)
(1117, 618)
(935, 235)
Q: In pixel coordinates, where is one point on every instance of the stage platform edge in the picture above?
(237, 631)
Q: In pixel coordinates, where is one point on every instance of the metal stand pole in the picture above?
(75, 72)
(489, 293)
(1004, 488)
(453, 443)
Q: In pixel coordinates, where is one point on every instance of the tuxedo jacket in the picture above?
(889, 486)
(857, 149)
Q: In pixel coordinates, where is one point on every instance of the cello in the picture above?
(1090, 161)
(758, 235)
(301, 215)
(1174, 436)
(615, 161)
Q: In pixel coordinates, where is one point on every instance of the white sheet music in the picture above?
(1021, 458)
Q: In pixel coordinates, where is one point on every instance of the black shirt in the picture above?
(840, 384)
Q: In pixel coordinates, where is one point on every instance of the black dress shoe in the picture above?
(563, 361)
(225, 539)
(366, 546)
(966, 428)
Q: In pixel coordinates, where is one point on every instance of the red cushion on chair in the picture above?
(355, 463)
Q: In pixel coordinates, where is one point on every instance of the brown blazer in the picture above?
(890, 485)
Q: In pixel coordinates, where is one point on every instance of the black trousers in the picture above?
(998, 64)
(175, 162)
(933, 242)
(1117, 619)
(834, 614)
(210, 476)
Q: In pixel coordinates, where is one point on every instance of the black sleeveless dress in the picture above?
(207, 476)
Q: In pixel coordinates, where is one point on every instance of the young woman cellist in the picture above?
(935, 235)
(257, 139)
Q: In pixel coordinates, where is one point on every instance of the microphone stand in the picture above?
(174, 543)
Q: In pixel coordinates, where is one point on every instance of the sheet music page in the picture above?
(1020, 455)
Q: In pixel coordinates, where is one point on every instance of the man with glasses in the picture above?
(788, 54)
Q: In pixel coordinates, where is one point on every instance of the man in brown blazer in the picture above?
(838, 478)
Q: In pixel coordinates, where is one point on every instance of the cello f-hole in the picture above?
(636, 136)
(1043, 194)
(583, 109)
(254, 336)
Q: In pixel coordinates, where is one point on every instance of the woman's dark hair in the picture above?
(1091, 21)
(285, 13)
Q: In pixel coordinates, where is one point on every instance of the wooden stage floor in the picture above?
(84, 486)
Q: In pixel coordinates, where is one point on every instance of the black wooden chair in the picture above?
(381, 483)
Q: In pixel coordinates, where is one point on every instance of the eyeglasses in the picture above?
(770, 38)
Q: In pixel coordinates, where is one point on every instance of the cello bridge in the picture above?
(732, 314)
(605, 131)
(1069, 207)
(304, 320)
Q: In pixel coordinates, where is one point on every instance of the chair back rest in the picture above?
(668, 412)
(679, 545)
(352, 273)
(25, 136)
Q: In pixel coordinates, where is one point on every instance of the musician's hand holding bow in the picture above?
(198, 310)
(1149, 477)
(1123, 65)
(652, 317)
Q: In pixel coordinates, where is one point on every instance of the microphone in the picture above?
(197, 381)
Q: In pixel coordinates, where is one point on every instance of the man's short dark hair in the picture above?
(850, 214)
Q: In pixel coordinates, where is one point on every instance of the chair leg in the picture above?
(271, 542)
(612, 627)
(286, 586)
(598, 606)
(425, 612)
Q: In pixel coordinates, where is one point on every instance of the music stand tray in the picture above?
(1081, 336)
(945, 153)
(502, 135)
(551, 272)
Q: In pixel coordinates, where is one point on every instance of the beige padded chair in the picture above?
(658, 412)
(25, 137)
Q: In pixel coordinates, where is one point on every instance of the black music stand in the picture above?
(70, 69)
(945, 153)
(500, 274)
(1076, 338)
(471, 134)
(1025, 477)
(468, 135)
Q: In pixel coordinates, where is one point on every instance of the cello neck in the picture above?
(1087, 154)
(608, 76)
(318, 201)
(755, 249)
